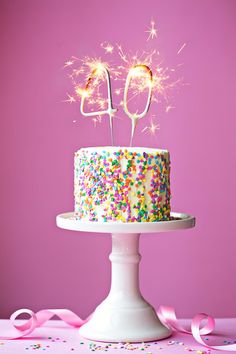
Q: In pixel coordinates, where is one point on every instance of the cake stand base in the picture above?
(125, 316)
(111, 324)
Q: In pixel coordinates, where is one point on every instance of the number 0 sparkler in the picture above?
(100, 70)
(138, 71)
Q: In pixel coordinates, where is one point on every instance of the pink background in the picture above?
(46, 267)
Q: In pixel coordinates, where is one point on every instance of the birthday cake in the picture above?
(122, 184)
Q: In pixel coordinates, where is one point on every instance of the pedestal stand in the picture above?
(124, 316)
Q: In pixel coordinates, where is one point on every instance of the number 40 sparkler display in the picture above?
(136, 71)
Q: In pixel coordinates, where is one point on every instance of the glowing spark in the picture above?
(96, 66)
(117, 92)
(70, 99)
(151, 129)
(168, 108)
(68, 63)
(108, 48)
(97, 120)
(152, 31)
(181, 48)
(121, 54)
(82, 92)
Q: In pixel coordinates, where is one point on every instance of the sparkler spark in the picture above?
(151, 129)
(68, 63)
(168, 108)
(70, 99)
(107, 47)
(181, 48)
(97, 120)
(117, 92)
(152, 31)
(81, 92)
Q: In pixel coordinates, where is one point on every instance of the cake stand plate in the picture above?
(125, 316)
(179, 221)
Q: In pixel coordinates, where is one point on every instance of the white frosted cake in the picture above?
(122, 184)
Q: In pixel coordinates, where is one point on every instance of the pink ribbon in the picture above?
(38, 319)
(168, 317)
(166, 314)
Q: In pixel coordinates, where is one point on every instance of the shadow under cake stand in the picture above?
(125, 316)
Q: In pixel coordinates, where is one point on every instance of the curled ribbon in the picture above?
(166, 315)
(38, 319)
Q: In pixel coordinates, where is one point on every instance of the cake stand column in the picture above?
(124, 316)
(125, 271)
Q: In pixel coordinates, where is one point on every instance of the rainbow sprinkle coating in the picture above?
(122, 184)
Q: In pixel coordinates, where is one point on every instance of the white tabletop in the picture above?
(55, 337)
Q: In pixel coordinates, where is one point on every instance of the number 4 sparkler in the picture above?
(100, 70)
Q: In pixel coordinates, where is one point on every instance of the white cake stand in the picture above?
(125, 316)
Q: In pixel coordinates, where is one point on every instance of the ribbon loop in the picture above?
(207, 328)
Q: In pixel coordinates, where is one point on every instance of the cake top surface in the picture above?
(130, 149)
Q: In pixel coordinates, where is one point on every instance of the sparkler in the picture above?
(99, 71)
(135, 72)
